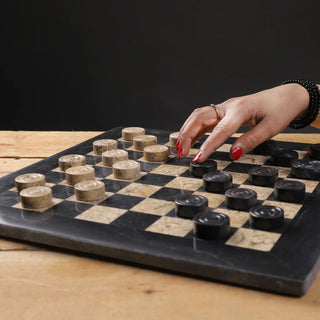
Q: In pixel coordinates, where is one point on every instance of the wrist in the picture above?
(305, 116)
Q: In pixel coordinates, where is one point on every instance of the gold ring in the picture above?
(215, 109)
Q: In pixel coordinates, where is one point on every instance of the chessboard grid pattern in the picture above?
(147, 204)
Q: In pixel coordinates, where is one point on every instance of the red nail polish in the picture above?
(198, 155)
(179, 152)
(177, 145)
(236, 153)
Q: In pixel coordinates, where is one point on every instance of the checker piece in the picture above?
(187, 206)
(130, 132)
(263, 176)
(79, 173)
(240, 198)
(289, 190)
(199, 169)
(217, 182)
(211, 225)
(90, 190)
(306, 169)
(99, 146)
(71, 160)
(126, 169)
(266, 217)
(283, 157)
(315, 151)
(29, 180)
(36, 197)
(111, 156)
(142, 141)
(156, 153)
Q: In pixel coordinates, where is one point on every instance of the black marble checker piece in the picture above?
(284, 261)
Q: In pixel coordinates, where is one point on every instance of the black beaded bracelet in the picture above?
(314, 104)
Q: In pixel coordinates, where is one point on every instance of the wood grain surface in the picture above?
(38, 283)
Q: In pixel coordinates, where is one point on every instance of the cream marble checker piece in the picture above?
(169, 170)
(139, 190)
(154, 206)
(101, 214)
(253, 239)
(290, 209)
(237, 218)
(171, 226)
(184, 183)
(214, 199)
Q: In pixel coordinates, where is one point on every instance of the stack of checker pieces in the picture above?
(145, 208)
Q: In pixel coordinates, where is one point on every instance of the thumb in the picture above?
(251, 139)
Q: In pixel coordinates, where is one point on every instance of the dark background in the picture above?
(94, 65)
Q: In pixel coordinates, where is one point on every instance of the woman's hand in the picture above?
(268, 112)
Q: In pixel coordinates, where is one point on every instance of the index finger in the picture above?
(222, 131)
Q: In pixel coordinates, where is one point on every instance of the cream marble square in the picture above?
(237, 218)
(106, 196)
(225, 148)
(253, 159)
(253, 239)
(283, 172)
(214, 199)
(154, 206)
(238, 177)
(55, 201)
(101, 214)
(192, 152)
(290, 209)
(262, 192)
(171, 226)
(139, 190)
(310, 184)
(169, 170)
(221, 164)
(184, 183)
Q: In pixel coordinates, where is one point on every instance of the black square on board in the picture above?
(135, 220)
(169, 194)
(115, 185)
(155, 179)
(121, 201)
(70, 209)
(102, 172)
(62, 191)
(55, 176)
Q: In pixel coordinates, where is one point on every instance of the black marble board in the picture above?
(136, 222)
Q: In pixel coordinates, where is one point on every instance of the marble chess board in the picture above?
(136, 221)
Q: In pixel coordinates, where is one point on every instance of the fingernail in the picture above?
(176, 147)
(236, 153)
(179, 152)
(198, 155)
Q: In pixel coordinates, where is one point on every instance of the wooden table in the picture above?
(43, 284)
